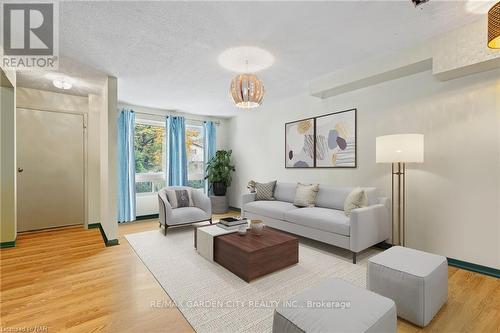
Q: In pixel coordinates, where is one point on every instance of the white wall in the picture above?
(93, 158)
(108, 123)
(452, 199)
(147, 204)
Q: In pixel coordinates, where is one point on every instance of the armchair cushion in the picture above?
(186, 215)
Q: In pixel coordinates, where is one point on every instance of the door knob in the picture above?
(20, 170)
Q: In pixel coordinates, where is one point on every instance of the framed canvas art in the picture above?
(299, 144)
(335, 142)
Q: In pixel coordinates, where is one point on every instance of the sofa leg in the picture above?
(210, 221)
(354, 258)
(166, 229)
(159, 224)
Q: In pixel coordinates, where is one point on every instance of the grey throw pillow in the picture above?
(264, 191)
(180, 198)
(305, 195)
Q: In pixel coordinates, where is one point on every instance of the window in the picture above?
(149, 149)
(195, 155)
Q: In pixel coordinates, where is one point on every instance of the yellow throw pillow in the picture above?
(356, 199)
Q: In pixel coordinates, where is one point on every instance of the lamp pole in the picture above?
(398, 173)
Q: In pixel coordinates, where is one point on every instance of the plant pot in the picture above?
(219, 189)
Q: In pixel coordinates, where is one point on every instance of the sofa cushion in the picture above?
(285, 191)
(332, 197)
(272, 209)
(187, 214)
(324, 219)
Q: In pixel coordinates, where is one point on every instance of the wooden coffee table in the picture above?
(252, 256)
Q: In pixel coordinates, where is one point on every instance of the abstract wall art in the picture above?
(336, 140)
(299, 144)
(326, 141)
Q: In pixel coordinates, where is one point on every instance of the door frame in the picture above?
(85, 155)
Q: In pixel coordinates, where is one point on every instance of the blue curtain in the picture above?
(177, 159)
(210, 143)
(126, 166)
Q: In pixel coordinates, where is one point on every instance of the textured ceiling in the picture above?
(164, 54)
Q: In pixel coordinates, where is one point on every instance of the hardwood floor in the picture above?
(66, 280)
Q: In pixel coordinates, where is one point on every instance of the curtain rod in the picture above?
(217, 122)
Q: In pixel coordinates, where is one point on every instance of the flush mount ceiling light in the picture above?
(494, 27)
(247, 59)
(62, 84)
(479, 7)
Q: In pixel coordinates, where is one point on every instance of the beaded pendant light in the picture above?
(494, 27)
(247, 91)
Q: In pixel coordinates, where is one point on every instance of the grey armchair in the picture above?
(202, 210)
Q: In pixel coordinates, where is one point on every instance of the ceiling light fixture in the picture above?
(494, 27)
(245, 59)
(479, 7)
(62, 83)
(247, 91)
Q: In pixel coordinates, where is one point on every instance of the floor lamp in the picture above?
(398, 150)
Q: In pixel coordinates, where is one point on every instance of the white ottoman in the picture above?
(335, 306)
(417, 281)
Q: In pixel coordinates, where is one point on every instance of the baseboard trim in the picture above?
(147, 217)
(107, 242)
(490, 271)
(235, 208)
(5, 245)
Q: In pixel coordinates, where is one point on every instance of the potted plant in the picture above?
(219, 170)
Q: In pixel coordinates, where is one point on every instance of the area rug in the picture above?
(213, 299)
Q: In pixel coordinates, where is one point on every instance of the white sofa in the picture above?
(327, 222)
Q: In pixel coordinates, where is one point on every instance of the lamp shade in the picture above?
(407, 148)
(494, 27)
(247, 91)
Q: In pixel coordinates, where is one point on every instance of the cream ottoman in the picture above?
(335, 306)
(417, 281)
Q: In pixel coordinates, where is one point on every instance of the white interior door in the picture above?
(50, 161)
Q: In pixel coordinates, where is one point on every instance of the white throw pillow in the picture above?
(305, 195)
(356, 199)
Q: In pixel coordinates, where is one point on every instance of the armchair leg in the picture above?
(354, 258)
(166, 229)
(159, 224)
(210, 220)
